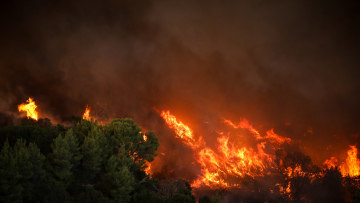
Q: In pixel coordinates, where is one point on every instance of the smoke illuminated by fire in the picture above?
(29, 108)
(229, 161)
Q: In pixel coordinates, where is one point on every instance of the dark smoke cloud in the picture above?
(270, 62)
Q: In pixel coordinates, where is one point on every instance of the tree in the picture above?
(85, 162)
(74, 148)
(300, 168)
(205, 199)
(10, 189)
(216, 198)
(61, 160)
(125, 135)
(118, 182)
(91, 163)
(177, 190)
(21, 171)
(329, 188)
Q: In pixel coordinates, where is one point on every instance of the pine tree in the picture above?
(10, 189)
(91, 152)
(61, 160)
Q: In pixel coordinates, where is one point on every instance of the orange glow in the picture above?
(29, 108)
(273, 137)
(229, 161)
(353, 162)
(295, 172)
(331, 163)
(276, 138)
(352, 166)
(144, 137)
(244, 124)
(148, 168)
(349, 168)
(86, 115)
(181, 130)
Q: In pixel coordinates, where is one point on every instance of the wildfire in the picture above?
(86, 115)
(353, 162)
(270, 135)
(148, 168)
(352, 166)
(349, 168)
(229, 161)
(331, 163)
(274, 138)
(244, 124)
(29, 108)
(181, 130)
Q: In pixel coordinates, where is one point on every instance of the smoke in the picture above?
(272, 63)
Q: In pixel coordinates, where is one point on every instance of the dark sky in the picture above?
(270, 62)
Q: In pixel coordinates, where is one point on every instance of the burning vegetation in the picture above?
(233, 166)
(83, 161)
(86, 115)
(29, 108)
(242, 165)
(264, 101)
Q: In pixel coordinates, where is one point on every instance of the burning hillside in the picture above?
(230, 164)
(242, 160)
(264, 96)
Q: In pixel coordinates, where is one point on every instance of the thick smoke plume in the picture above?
(274, 63)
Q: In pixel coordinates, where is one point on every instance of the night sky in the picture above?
(269, 62)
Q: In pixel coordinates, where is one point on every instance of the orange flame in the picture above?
(271, 135)
(220, 167)
(352, 166)
(86, 115)
(353, 162)
(349, 168)
(29, 108)
(181, 130)
(331, 163)
(148, 168)
(276, 138)
(244, 124)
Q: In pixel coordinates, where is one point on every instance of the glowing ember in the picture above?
(86, 115)
(144, 137)
(29, 108)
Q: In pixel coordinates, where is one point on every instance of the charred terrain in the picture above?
(231, 101)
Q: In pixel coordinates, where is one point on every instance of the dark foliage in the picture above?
(86, 162)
